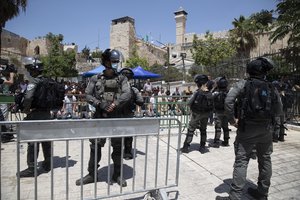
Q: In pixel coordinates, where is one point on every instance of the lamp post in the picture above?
(183, 56)
(168, 61)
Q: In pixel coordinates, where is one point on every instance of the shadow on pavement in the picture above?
(60, 162)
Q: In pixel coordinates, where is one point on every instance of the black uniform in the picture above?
(34, 112)
(221, 119)
(101, 92)
(201, 104)
(128, 111)
(250, 104)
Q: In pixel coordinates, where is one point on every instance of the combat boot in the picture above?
(225, 143)
(118, 180)
(202, 148)
(187, 142)
(45, 168)
(281, 138)
(127, 154)
(29, 172)
(85, 180)
(185, 148)
(256, 194)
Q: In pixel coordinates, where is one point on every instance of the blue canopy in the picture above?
(140, 73)
(95, 71)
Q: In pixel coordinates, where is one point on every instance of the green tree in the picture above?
(288, 22)
(8, 10)
(97, 54)
(58, 63)
(211, 51)
(86, 52)
(243, 36)
(135, 60)
(288, 25)
(261, 21)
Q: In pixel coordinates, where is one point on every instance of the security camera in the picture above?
(174, 55)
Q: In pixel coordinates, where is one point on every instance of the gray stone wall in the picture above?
(12, 43)
(152, 53)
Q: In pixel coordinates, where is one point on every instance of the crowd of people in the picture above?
(255, 106)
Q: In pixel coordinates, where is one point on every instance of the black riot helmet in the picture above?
(200, 79)
(222, 83)
(127, 72)
(33, 66)
(115, 56)
(111, 58)
(260, 66)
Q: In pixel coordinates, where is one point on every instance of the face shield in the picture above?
(116, 59)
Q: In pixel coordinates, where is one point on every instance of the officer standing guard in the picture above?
(108, 92)
(128, 111)
(201, 104)
(221, 119)
(257, 101)
(35, 111)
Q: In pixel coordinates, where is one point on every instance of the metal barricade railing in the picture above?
(154, 167)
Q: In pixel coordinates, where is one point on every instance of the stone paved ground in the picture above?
(202, 176)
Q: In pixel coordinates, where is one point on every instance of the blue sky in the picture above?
(87, 22)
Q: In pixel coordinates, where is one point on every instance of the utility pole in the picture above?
(183, 56)
(168, 58)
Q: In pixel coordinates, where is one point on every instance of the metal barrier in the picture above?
(155, 165)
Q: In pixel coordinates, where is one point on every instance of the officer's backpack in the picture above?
(49, 94)
(219, 100)
(203, 102)
(258, 100)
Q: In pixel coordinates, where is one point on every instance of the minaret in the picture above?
(180, 17)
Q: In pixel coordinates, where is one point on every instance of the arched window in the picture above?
(37, 50)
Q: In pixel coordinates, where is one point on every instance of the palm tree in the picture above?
(243, 36)
(8, 10)
(288, 22)
(288, 25)
(262, 20)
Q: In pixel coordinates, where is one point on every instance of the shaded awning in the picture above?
(140, 73)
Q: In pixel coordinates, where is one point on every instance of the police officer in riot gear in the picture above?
(34, 112)
(128, 111)
(221, 119)
(198, 118)
(108, 92)
(253, 131)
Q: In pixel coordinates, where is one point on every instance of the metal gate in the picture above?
(154, 168)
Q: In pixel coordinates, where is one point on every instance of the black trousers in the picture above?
(116, 143)
(38, 115)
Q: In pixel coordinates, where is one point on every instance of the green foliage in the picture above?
(243, 36)
(135, 61)
(211, 51)
(261, 21)
(97, 54)
(58, 63)
(168, 73)
(85, 52)
(288, 22)
(10, 9)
